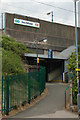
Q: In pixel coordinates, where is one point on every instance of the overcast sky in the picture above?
(63, 9)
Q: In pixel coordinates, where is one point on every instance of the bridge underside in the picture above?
(54, 67)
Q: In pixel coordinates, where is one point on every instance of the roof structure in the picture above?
(65, 54)
(42, 56)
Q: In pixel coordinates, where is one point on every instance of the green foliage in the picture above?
(12, 55)
(72, 67)
(75, 91)
(9, 43)
(11, 63)
(72, 63)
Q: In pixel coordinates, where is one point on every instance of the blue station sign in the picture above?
(50, 53)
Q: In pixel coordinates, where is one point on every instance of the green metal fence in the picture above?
(0, 94)
(36, 83)
(14, 92)
(20, 89)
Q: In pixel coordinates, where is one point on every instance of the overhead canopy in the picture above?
(42, 56)
(64, 55)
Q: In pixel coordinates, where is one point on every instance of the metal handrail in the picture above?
(65, 95)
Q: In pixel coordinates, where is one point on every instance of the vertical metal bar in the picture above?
(52, 16)
(65, 99)
(44, 78)
(37, 56)
(62, 69)
(29, 88)
(76, 46)
(13, 87)
(40, 80)
(4, 89)
(2, 96)
(7, 102)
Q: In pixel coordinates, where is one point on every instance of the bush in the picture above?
(9, 43)
(11, 63)
(72, 67)
(12, 55)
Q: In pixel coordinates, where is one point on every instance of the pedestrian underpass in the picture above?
(54, 66)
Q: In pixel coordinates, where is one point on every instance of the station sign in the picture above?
(26, 23)
(50, 53)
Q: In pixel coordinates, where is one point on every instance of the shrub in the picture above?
(9, 43)
(11, 63)
(72, 67)
(12, 55)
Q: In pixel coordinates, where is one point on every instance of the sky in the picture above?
(63, 10)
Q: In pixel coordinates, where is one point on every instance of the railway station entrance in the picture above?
(54, 67)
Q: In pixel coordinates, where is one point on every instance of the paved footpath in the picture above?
(52, 106)
(57, 114)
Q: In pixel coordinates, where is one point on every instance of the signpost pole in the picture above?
(42, 40)
(37, 56)
(78, 95)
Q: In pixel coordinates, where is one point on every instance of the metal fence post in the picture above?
(29, 97)
(7, 94)
(44, 78)
(2, 95)
(40, 80)
(65, 99)
(65, 95)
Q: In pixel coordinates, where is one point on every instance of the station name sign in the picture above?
(26, 23)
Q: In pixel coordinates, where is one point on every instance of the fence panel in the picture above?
(33, 85)
(42, 79)
(20, 89)
(14, 91)
(36, 83)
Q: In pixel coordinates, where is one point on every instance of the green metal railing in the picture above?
(66, 95)
(14, 92)
(20, 89)
(36, 83)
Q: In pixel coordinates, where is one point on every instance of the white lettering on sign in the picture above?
(26, 23)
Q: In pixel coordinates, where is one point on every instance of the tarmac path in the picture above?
(53, 102)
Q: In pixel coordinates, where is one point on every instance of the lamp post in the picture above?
(77, 65)
(76, 44)
(51, 14)
(42, 40)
